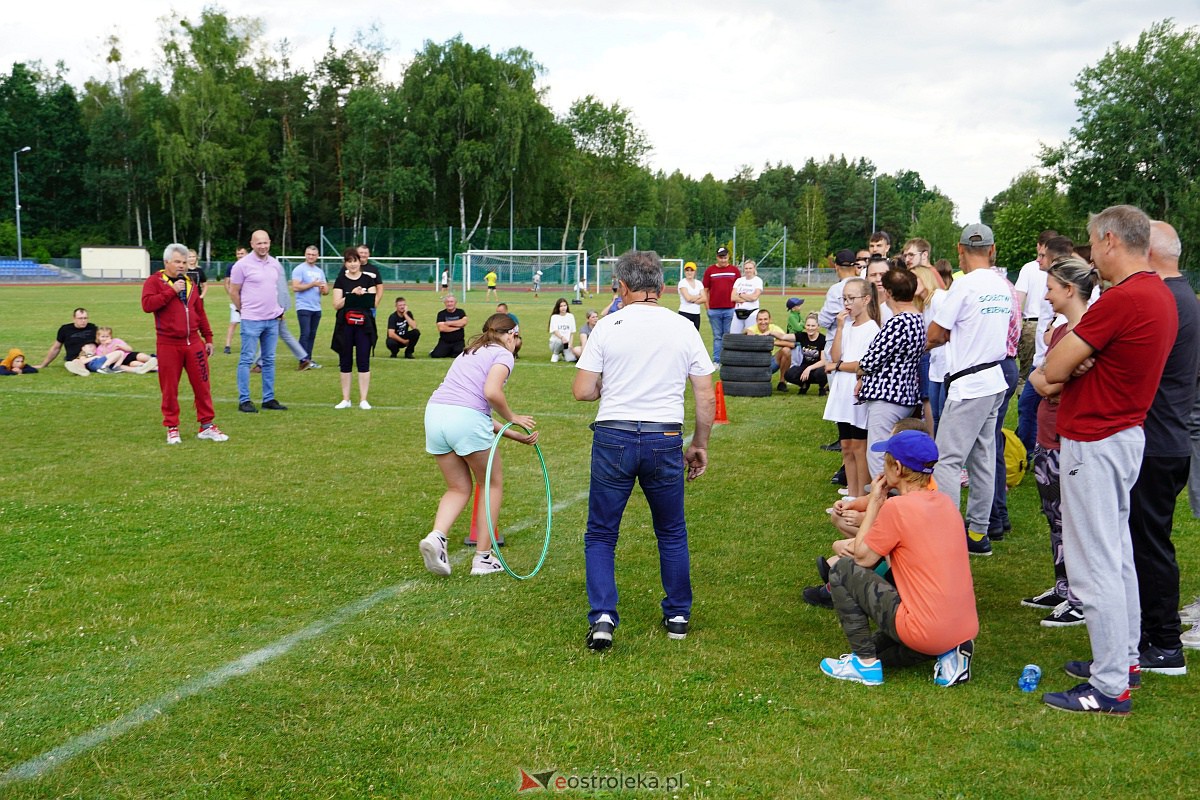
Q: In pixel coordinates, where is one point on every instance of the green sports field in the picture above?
(253, 619)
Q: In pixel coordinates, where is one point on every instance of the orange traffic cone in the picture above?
(479, 521)
(721, 417)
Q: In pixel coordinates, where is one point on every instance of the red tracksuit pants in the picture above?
(173, 359)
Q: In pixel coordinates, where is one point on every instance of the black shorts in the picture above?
(848, 431)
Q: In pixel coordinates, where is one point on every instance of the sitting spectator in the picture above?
(107, 345)
(930, 613)
(90, 360)
(592, 318)
(402, 331)
(562, 332)
(764, 327)
(71, 338)
(808, 358)
(451, 321)
(14, 364)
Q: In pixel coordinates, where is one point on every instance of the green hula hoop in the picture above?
(487, 504)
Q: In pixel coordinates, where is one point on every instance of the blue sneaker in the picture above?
(1083, 671)
(1088, 698)
(849, 668)
(954, 666)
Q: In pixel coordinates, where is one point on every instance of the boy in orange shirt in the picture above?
(920, 532)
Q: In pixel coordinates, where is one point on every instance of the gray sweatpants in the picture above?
(882, 416)
(966, 436)
(1096, 478)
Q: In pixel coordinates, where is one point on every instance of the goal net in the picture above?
(604, 272)
(552, 268)
(411, 270)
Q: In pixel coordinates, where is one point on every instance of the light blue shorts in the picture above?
(463, 430)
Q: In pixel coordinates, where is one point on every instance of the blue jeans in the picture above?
(720, 319)
(264, 334)
(1027, 408)
(655, 460)
(937, 401)
(999, 517)
(309, 320)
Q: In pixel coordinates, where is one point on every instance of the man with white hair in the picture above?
(184, 341)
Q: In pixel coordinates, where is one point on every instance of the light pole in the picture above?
(511, 176)
(17, 195)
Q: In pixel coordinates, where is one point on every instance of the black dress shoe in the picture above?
(832, 447)
(274, 405)
(248, 407)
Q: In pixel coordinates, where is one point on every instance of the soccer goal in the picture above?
(413, 270)
(604, 272)
(552, 268)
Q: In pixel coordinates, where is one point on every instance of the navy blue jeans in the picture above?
(655, 461)
(999, 517)
(1027, 408)
(309, 320)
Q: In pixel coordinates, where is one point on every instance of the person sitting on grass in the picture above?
(14, 364)
(131, 361)
(783, 344)
(920, 532)
(89, 361)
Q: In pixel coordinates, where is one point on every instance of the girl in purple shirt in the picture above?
(459, 429)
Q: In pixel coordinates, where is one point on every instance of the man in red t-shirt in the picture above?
(1125, 337)
(931, 609)
(718, 281)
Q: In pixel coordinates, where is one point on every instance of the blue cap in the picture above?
(794, 301)
(913, 449)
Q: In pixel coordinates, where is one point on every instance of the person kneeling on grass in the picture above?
(458, 432)
(920, 531)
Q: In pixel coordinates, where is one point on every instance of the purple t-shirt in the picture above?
(259, 279)
(468, 373)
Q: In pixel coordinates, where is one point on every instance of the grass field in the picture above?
(252, 619)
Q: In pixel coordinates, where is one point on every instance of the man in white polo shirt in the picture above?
(972, 324)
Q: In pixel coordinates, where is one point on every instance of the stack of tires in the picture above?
(746, 365)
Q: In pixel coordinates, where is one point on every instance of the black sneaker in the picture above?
(998, 534)
(600, 633)
(1088, 698)
(1164, 662)
(833, 447)
(274, 405)
(818, 596)
(979, 544)
(823, 569)
(782, 387)
(247, 407)
(1046, 600)
(677, 627)
(1083, 671)
(1064, 615)
(839, 477)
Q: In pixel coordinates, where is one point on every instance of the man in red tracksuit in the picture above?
(184, 342)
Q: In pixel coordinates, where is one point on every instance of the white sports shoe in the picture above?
(484, 564)
(433, 550)
(343, 404)
(75, 368)
(1190, 614)
(1191, 639)
(554, 358)
(364, 405)
(213, 434)
(173, 436)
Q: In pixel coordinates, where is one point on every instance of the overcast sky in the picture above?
(963, 92)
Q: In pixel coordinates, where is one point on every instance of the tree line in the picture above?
(222, 139)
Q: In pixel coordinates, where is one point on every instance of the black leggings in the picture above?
(356, 342)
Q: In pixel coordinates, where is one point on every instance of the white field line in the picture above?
(51, 759)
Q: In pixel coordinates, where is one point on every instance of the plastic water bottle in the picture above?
(1030, 677)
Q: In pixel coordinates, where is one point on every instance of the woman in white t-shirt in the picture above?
(691, 294)
(856, 326)
(745, 294)
(562, 331)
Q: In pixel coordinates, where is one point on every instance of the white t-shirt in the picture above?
(746, 286)
(976, 311)
(646, 355)
(695, 288)
(937, 356)
(1031, 281)
(564, 324)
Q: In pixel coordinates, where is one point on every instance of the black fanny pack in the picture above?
(744, 313)
(968, 371)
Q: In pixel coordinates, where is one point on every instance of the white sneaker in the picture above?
(75, 368)
(554, 358)
(173, 436)
(213, 434)
(343, 404)
(484, 564)
(1191, 639)
(433, 550)
(1190, 614)
(364, 405)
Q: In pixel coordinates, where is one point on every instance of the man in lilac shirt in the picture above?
(252, 290)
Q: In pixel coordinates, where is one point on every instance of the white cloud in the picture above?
(964, 93)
